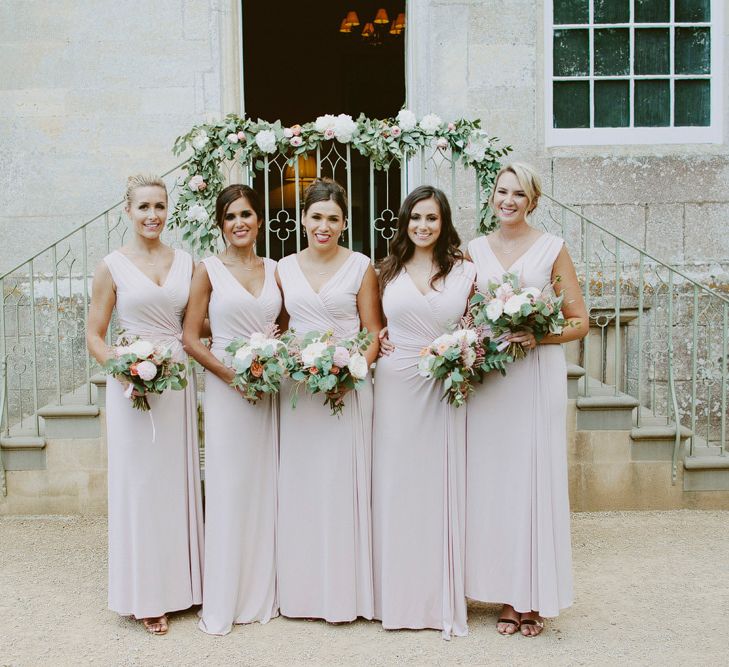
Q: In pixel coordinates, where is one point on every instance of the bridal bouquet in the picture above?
(509, 308)
(323, 365)
(147, 367)
(259, 362)
(456, 358)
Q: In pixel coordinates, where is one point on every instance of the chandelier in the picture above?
(376, 31)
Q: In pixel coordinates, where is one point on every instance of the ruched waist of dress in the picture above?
(170, 339)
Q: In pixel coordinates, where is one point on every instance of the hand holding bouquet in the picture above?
(508, 308)
(456, 359)
(148, 368)
(260, 363)
(331, 367)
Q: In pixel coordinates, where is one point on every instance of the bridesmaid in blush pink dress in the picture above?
(419, 469)
(518, 549)
(238, 291)
(155, 514)
(324, 524)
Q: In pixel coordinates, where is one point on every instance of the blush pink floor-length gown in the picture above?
(155, 510)
(241, 459)
(419, 468)
(324, 517)
(518, 549)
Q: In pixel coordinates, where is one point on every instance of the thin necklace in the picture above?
(508, 248)
(255, 263)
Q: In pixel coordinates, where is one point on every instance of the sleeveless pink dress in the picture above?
(241, 458)
(518, 548)
(324, 524)
(155, 512)
(419, 469)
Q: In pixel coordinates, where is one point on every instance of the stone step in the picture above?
(23, 452)
(655, 438)
(574, 374)
(604, 409)
(71, 421)
(706, 470)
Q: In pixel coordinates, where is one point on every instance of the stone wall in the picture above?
(91, 92)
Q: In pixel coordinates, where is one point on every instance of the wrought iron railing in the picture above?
(657, 334)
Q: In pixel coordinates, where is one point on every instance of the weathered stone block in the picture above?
(706, 237)
(665, 232)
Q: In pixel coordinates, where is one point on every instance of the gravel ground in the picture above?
(651, 587)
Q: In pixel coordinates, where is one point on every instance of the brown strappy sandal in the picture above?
(510, 621)
(536, 622)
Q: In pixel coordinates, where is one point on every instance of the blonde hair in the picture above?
(528, 180)
(141, 181)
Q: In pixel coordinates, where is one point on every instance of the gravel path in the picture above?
(652, 588)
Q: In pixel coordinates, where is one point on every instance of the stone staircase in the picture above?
(613, 463)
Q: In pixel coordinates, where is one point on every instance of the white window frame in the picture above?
(600, 136)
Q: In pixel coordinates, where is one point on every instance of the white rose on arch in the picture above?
(199, 139)
(325, 122)
(266, 141)
(430, 123)
(344, 128)
(406, 120)
(197, 213)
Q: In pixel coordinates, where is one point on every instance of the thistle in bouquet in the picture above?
(260, 362)
(507, 308)
(147, 367)
(455, 358)
(321, 364)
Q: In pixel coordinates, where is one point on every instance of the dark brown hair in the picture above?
(446, 252)
(325, 189)
(230, 194)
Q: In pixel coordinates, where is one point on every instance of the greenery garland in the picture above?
(246, 142)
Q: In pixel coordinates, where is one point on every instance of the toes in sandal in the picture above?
(510, 621)
(156, 626)
(538, 623)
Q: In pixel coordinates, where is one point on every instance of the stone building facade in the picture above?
(90, 92)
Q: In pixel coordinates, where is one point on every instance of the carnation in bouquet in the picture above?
(507, 308)
(260, 362)
(459, 359)
(324, 365)
(147, 367)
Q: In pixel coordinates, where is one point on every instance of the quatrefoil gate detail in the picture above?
(282, 224)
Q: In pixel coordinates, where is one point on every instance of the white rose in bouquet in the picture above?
(142, 349)
(532, 293)
(504, 292)
(146, 370)
(467, 336)
(514, 304)
(258, 341)
(406, 120)
(344, 128)
(324, 122)
(266, 141)
(358, 366)
(469, 357)
(312, 352)
(425, 365)
(243, 358)
(494, 309)
(430, 123)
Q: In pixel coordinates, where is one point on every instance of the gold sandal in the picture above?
(156, 625)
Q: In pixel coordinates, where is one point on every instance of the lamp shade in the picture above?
(381, 16)
(368, 30)
(400, 21)
(352, 19)
(393, 30)
(344, 27)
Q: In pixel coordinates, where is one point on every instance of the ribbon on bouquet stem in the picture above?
(128, 393)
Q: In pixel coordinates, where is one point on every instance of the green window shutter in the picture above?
(652, 103)
(571, 11)
(693, 51)
(611, 11)
(691, 11)
(612, 103)
(652, 11)
(692, 105)
(571, 53)
(571, 104)
(652, 51)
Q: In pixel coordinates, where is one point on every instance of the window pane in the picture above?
(693, 51)
(692, 103)
(571, 104)
(612, 11)
(570, 11)
(652, 11)
(652, 104)
(612, 103)
(693, 10)
(652, 51)
(612, 51)
(571, 56)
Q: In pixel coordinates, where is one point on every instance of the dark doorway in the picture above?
(298, 65)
